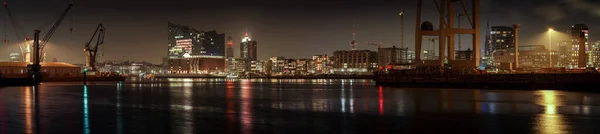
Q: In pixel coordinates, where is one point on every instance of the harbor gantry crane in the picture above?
(38, 45)
(90, 50)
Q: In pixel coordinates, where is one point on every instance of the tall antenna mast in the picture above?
(353, 35)
(402, 29)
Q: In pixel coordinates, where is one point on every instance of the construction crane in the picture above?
(92, 50)
(373, 44)
(25, 47)
(38, 46)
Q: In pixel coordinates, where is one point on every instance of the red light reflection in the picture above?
(380, 100)
(230, 98)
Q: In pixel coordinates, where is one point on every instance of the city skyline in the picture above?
(284, 28)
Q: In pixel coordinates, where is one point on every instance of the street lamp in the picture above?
(550, 30)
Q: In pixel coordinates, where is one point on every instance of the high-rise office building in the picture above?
(248, 48)
(502, 37)
(569, 51)
(229, 52)
(500, 42)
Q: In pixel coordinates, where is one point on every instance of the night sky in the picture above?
(136, 29)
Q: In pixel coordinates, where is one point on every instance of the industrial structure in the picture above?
(446, 33)
(92, 51)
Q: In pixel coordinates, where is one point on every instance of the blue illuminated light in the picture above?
(86, 119)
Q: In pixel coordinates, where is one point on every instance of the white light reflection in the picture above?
(343, 99)
(550, 121)
(351, 100)
(188, 106)
(586, 105)
(119, 110)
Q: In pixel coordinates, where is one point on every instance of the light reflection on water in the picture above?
(303, 106)
(550, 121)
(27, 100)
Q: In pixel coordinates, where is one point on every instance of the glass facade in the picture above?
(184, 41)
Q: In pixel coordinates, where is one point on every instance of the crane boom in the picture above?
(25, 50)
(54, 27)
(93, 50)
(373, 44)
(15, 25)
(35, 68)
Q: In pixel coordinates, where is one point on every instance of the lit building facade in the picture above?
(277, 65)
(289, 66)
(184, 41)
(499, 42)
(534, 56)
(530, 56)
(502, 37)
(15, 57)
(258, 66)
(196, 65)
(392, 55)
(302, 66)
(354, 61)
(595, 54)
(464, 54)
(429, 55)
(236, 65)
(320, 64)
(569, 50)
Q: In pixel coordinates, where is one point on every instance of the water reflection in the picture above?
(255, 106)
(246, 107)
(86, 118)
(230, 113)
(550, 121)
(27, 100)
(380, 100)
(119, 113)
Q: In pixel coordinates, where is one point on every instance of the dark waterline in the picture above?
(289, 106)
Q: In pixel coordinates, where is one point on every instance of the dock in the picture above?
(558, 81)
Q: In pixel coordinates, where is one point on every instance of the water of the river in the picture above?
(289, 106)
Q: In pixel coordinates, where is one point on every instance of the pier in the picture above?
(560, 81)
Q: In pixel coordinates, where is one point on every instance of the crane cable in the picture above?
(5, 34)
